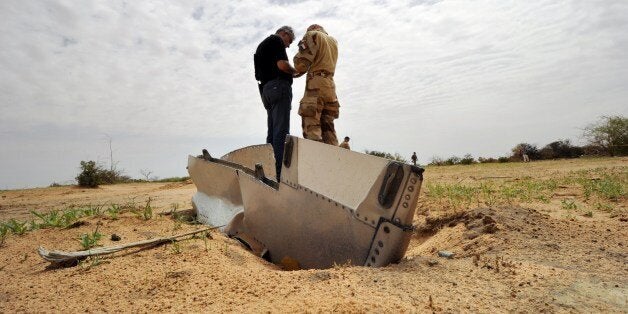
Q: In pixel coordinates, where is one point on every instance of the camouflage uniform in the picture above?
(345, 145)
(318, 53)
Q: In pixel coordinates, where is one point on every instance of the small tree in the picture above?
(93, 175)
(525, 148)
(610, 133)
(89, 176)
(146, 173)
(560, 149)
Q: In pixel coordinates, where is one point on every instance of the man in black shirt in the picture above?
(274, 75)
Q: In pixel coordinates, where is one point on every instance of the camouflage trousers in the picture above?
(318, 110)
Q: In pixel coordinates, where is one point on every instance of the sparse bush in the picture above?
(503, 159)
(604, 207)
(91, 261)
(146, 213)
(395, 157)
(16, 227)
(50, 220)
(467, 160)
(89, 174)
(568, 204)
(172, 179)
(560, 149)
(93, 175)
(483, 160)
(112, 176)
(113, 211)
(593, 150)
(90, 240)
(607, 187)
(176, 247)
(146, 173)
(453, 160)
(524, 148)
(437, 161)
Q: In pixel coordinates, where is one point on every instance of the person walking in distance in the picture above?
(345, 143)
(414, 158)
(274, 73)
(318, 53)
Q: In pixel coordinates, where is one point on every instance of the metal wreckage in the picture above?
(331, 205)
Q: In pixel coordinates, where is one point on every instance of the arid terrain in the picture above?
(546, 236)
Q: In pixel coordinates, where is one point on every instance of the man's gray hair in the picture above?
(286, 29)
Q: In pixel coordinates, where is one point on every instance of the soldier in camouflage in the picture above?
(318, 53)
(345, 143)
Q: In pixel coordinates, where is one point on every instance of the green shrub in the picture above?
(173, 179)
(16, 227)
(453, 160)
(90, 240)
(437, 161)
(89, 174)
(395, 157)
(486, 160)
(467, 160)
(93, 175)
(146, 213)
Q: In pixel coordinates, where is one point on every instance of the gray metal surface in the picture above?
(255, 154)
(343, 175)
(332, 206)
(218, 198)
(327, 209)
(303, 225)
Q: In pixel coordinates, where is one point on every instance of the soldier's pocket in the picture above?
(332, 110)
(308, 106)
(326, 89)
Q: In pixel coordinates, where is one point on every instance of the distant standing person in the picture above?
(273, 73)
(414, 158)
(318, 53)
(345, 143)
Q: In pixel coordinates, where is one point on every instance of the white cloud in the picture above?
(436, 77)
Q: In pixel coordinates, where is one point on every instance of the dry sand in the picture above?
(516, 258)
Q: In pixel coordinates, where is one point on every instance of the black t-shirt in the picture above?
(269, 51)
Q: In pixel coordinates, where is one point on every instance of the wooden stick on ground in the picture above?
(64, 257)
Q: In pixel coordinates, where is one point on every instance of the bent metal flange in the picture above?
(332, 205)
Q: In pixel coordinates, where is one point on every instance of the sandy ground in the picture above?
(533, 259)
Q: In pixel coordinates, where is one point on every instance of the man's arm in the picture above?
(307, 52)
(285, 66)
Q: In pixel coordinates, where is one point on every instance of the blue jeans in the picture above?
(277, 99)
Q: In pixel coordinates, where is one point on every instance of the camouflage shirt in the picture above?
(317, 52)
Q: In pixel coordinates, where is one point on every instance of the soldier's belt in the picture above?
(322, 73)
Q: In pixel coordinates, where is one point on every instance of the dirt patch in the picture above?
(506, 259)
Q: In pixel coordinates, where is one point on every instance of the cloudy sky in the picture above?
(164, 79)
